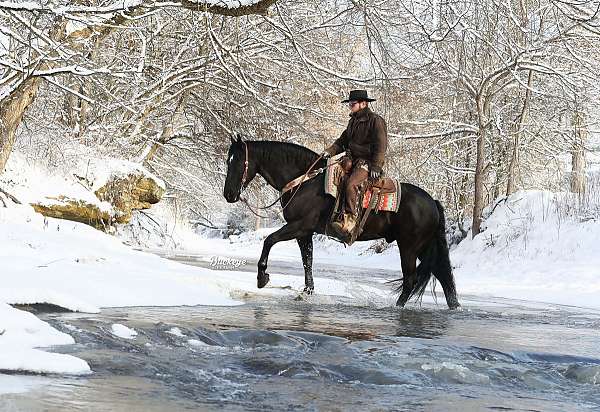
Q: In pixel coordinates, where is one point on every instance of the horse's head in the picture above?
(240, 170)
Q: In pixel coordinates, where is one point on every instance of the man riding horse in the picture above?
(365, 142)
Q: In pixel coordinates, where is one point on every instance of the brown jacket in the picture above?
(365, 137)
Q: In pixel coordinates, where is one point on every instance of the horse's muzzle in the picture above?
(231, 197)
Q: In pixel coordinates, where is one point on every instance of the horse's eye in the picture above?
(230, 159)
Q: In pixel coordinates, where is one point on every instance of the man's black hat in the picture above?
(358, 96)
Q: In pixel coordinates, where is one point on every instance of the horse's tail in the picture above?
(441, 267)
(435, 260)
(424, 270)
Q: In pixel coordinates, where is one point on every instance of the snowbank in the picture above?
(34, 183)
(80, 188)
(534, 247)
(21, 332)
(77, 267)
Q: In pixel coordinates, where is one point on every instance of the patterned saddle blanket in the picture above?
(390, 189)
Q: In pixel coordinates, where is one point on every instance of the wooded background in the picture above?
(481, 98)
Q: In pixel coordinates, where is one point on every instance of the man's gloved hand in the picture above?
(375, 174)
(325, 154)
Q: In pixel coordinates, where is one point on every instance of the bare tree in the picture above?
(46, 41)
(490, 52)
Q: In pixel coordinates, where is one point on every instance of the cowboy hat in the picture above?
(358, 96)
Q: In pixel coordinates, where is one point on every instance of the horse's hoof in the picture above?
(300, 297)
(308, 290)
(262, 280)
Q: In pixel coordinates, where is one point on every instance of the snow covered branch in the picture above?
(222, 7)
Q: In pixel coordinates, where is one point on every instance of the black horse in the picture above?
(418, 227)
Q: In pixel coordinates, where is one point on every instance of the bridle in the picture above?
(245, 175)
(297, 182)
(242, 188)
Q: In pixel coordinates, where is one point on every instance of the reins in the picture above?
(297, 182)
(290, 185)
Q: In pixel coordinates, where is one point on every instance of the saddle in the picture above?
(337, 172)
(381, 195)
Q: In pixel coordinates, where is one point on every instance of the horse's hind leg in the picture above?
(442, 270)
(306, 250)
(408, 260)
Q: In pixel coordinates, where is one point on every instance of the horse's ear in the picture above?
(232, 139)
(239, 138)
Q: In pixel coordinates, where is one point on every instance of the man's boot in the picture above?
(346, 226)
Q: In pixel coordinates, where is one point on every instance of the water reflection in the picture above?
(423, 324)
(260, 316)
(355, 323)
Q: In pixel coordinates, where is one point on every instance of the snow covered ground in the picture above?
(536, 246)
(249, 245)
(21, 332)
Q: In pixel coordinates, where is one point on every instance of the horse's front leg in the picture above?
(306, 250)
(289, 231)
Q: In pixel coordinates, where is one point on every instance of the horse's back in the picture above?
(417, 209)
(410, 188)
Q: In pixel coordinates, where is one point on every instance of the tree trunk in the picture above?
(84, 104)
(514, 155)
(14, 106)
(166, 134)
(12, 110)
(578, 154)
(483, 110)
(71, 108)
(479, 179)
(463, 197)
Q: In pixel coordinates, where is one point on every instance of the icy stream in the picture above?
(325, 354)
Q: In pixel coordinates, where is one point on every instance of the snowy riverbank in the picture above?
(537, 246)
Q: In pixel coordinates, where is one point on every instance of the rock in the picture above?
(63, 207)
(97, 191)
(133, 191)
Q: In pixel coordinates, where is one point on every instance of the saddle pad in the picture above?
(388, 202)
(333, 175)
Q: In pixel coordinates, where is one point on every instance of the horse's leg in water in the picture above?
(449, 288)
(442, 270)
(292, 230)
(408, 260)
(306, 250)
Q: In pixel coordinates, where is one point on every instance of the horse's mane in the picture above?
(286, 152)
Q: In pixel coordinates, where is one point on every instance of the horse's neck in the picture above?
(275, 170)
